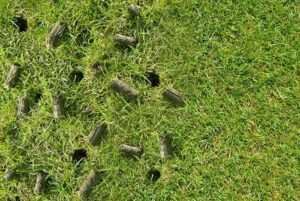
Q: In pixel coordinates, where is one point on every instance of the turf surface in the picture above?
(236, 62)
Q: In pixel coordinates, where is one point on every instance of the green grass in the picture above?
(236, 62)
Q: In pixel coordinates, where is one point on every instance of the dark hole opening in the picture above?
(96, 65)
(76, 76)
(21, 23)
(153, 78)
(153, 174)
(17, 198)
(79, 155)
(38, 96)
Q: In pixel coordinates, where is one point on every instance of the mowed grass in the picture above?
(236, 62)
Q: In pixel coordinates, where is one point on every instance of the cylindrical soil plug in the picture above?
(9, 175)
(23, 106)
(125, 41)
(40, 183)
(124, 89)
(97, 133)
(131, 150)
(55, 34)
(134, 9)
(12, 77)
(165, 146)
(58, 106)
(88, 184)
(174, 96)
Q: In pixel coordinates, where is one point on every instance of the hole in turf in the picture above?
(76, 76)
(17, 198)
(38, 96)
(153, 78)
(21, 23)
(153, 174)
(96, 65)
(79, 155)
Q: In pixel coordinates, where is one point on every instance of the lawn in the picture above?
(236, 64)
